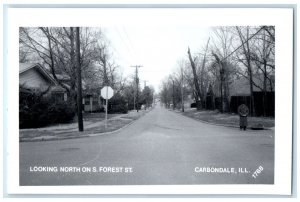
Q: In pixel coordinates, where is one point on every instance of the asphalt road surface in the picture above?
(163, 147)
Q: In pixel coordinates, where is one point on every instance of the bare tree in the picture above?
(203, 76)
(221, 50)
(54, 47)
(244, 36)
(166, 93)
(263, 57)
(196, 82)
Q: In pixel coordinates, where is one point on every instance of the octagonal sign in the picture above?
(107, 92)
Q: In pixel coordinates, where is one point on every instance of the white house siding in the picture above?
(91, 104)
(33, 79)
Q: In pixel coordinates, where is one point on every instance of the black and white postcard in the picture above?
(149, 100)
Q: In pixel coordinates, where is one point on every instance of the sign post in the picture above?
(106, 92)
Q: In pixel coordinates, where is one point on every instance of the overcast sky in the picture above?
(157, 48)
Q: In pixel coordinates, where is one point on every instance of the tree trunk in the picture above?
(196, 83)
(182, 102)
(221, 91)
(246, 50)
(265, 75)
(252, 107)
(265, 89)
(202, 85)
(173, 95)
(226, 88)
(105, 80)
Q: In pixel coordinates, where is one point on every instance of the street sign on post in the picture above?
(106, 92)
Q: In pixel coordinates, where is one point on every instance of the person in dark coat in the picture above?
(243, 111)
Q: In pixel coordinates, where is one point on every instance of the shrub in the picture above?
(60, 112)
(119, 108)
(117, 104)
(36, 110)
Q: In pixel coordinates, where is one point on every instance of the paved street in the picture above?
(162, 147)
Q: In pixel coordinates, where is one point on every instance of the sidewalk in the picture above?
(94, 124)
(226, 119)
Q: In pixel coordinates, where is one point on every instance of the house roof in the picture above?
(23, 67)
(63, 77)
(241, 86)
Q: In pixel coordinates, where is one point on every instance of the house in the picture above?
(241, 86)
(92, 103)
(34, 77)
(238, 92)
(264, 102)
(92, 99)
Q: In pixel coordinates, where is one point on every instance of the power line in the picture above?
(130, 42)
(126, 45)
(243, 43)
(136, 72)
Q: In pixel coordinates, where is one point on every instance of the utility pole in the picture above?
(145, 83)
(134, 100)
(79, 84)
(137, 86)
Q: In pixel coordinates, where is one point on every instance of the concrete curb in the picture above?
(114, 131)
(55, 138)
(217, 124)
(118, 130)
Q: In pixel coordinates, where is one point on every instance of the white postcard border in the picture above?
(281, 18)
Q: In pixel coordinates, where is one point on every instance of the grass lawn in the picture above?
(93, 124)
(215, 117)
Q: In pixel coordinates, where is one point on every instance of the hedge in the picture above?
(117, 104)
(36, 110)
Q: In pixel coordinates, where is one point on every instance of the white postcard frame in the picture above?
(282, 18)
